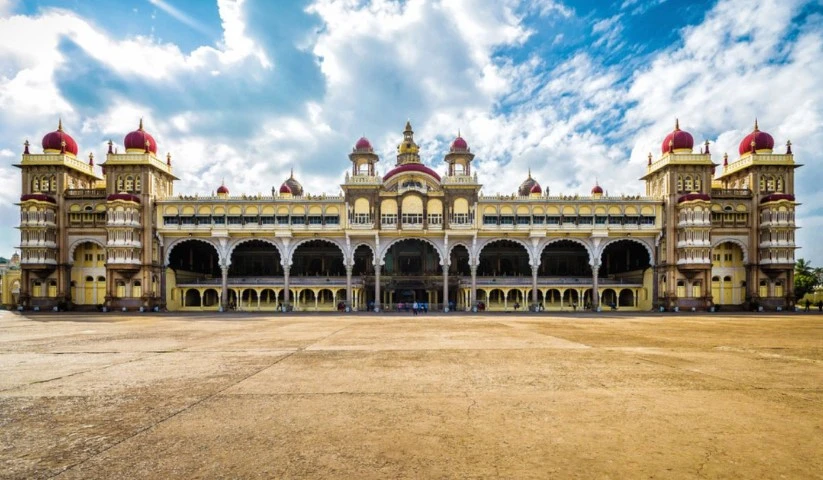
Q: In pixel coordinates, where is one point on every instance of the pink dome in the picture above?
(597, 189)
(222, 189)
(363, 144)
(677, 139)
(690, 197)
(126, 197)
(411, 167)
(762, 141)
(459, 145)
(285, 188)
(776, 197)
(536, 188)
(138, 139)
(58, 140)
(40, 197)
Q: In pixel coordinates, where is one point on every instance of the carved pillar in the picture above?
(534, 286)
(224, 291)
(473, 295)
(445, 287)
(595, 293)
(377, 298)
(286, 286)
(349, 298)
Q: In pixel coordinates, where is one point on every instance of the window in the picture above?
(282, 219)
(44, 184)
(138, 184)
(267, 219)
(170, 220)
(489, 219)
(35, 185)
(235, 220)
(120, 183)
(250, 220)
(412, 218)
(523, 220)
(298, 220)
(315, 220)
(219, 220)
(332, 219)
(187, 220)
(361, 218)
(538, 220)
(553, 220)
(203, 219)
(506, 219)
(435, 219)
(460, 218)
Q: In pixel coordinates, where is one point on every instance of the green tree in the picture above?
(805, 278)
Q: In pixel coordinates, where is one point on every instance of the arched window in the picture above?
(697, 184)
(35, 185)
(779, 185)
(679, 183)
(689, 186)
(44, 184)
(129, 183)
(762, 183)
(770, 183)
(138, 184)
(120, 183)
(53, 183)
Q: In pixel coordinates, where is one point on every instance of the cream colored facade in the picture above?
(125, 240)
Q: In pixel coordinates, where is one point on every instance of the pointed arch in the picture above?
(384, 249)
(586, 245)
(463, 244)
(335, 242)
(232, 246)
(739, 243)
(179, 241)
(81, 241)
(649, 248)
(355, 246)
(523, 244)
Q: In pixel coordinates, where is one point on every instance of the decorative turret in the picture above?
(678, 141)
(292, 186)
(223, 190)
(140, 141)
(526, 187)
(363, 158)
(59, 141)
(459, 157)
(408, 158)
(756, 142)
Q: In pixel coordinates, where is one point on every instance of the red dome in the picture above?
(285, 188)
(690, 197)
(411, 167)
(597, 189)
(459, 144)
(223, 189)
(40, 197)
(137, 140)
(775, 197)
(126, 197)
(56, 140)
(762, 141)
(678, 139)
(363, 144)
(536, 188)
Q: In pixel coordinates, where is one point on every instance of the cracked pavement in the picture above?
(400, 396)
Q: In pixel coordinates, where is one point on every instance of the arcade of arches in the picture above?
(318, 278)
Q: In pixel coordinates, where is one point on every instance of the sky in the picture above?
(578, 92)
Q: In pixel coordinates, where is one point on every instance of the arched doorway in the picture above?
(317, 258)
(626, 264)
(728, 274)
(503, 258)
(565, 258)
(363, 276)
(412, 273)
(254, 258)
(88, 267)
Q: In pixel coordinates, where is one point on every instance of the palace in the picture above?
(699, 238)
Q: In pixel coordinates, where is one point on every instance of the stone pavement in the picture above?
(402, 396)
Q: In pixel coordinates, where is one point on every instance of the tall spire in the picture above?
(756, 129)
(408, 128)
(677, 123)
(140, 127)
(59, 124)
(291, 174)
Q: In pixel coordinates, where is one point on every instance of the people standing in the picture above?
(415, 306)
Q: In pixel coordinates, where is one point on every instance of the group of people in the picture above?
(415, 307)
(819, 305)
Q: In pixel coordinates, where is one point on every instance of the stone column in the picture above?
(377, 298)
(286, 293)
(473, 295)
(445, 287)
(534, 286)
(349, 297)
(224, 292)
(595, 293)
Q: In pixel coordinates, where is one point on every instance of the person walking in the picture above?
(807, 304)
(415, 306)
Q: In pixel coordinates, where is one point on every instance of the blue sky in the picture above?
(575, 91)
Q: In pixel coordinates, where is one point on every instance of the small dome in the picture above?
(139, 140)
(536, 188)
(411, 167)
(363, 145)
(293, 185)
(757, 141)
(285, 188)
(597, 190)
(527, 185)
(223, 190)
(59, 141)
(677, 140)
(459, 144)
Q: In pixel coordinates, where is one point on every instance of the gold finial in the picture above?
(140, 126)
(59, 124)
(458, 133)
(291, 175)
(408, 126)
(677, 124)
(530, 172)
(756, 129)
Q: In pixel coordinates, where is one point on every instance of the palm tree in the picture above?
(803, 267)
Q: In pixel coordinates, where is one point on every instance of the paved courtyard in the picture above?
(399, 396)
